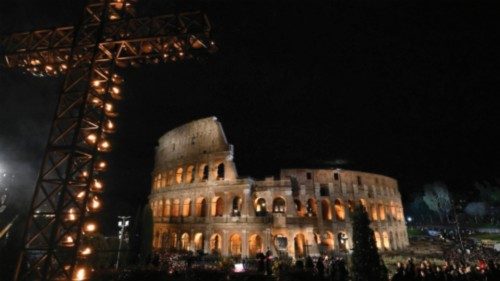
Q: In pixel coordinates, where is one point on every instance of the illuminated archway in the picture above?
(178, 175)
(279, 205)
(311, 207)
(255, 245)
(215, 244)
(217, 207)
(190, 174)
(300, 245)
(235, 245)
(201, 207)
(298, 207)
(378, 240)
(385, 240)
(339, 210)
(236, 210)
(185, 242)
(260, 207)
(198, 241)
(374, 212)
(381, 210)
(167, 208)
(175, 208)
(186, 208)
(325, 210)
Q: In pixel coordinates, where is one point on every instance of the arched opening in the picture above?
(393, 210)
(325, 210)
(186, 208)
(327, 242)
(185, 242)
(378, 240)
(339, 210)
(175, 208)
(278, 205)
(173, 241)
(350, 205)
(300, 246)
(164, 240)
(374, 213)
(235, 245)
(260, 207)
(201, 207)
(204, 175)
(311, 207)
(343, 241)
(178, 176)
(254, 245)
(298, 207)
(190, 174)
(217, 207)
(220, 171)
(166, 208)
(385, 239)
(215, 244)
(362, 202)
(381, 210)
(164, 180)
(236, 210)
(198, 241)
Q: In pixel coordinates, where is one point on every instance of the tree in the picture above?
(488, 193)
(476, 210)
(366, 262)
(437, 198)
(147, 232)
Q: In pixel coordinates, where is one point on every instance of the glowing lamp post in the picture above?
(122, 224)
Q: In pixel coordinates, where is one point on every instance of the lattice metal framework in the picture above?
(68, 187)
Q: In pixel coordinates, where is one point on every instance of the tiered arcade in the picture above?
(200, 204)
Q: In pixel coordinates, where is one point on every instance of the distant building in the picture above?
(200, 204)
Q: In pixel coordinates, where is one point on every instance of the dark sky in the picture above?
(405, 88)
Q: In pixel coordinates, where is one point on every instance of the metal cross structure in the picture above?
(66, 196)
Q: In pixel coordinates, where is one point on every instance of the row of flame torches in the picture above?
(99, 89)
(172, 50)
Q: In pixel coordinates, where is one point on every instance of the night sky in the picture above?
(408, 89)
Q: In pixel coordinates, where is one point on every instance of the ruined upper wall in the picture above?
(192, 141)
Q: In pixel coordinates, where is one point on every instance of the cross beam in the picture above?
(68, 187)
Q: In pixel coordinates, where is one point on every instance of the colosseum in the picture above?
(200, 204)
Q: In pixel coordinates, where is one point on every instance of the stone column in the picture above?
(244, 248)
(225, 243)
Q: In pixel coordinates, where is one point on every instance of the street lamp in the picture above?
(123, 222)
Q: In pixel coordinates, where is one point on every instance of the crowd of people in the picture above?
(448, 271)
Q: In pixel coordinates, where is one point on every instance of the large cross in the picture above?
(67, 190)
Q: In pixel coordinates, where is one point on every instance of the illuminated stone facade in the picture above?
(199, 203)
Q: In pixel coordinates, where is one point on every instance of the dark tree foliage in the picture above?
(147, 233)
(366, 262)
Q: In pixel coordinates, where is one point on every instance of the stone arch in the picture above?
(381, 210)
(186, 207)
(339, 210)
(279, 205)
(175, 208)
(236, 206)
(394, 214)
(178, 175)
(298, 207)
(201, 207)
(198, 241)
(221, 171)
(311, 207)
(378, 240)
(343, 241)
(217, 206)
(215, 244)
(385, 240)
(235, 245)
(329, 241)
(167, 208)
(350, 205)
(204, 172)
(185, 241)
(260, 207)
(300, 245)
(325, 210)
(255, 245)
(190, 174)
(374, 212)
(173, 240)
